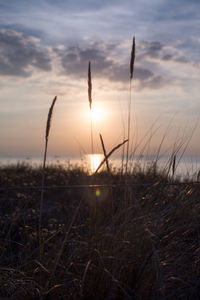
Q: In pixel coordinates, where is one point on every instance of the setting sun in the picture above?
(96, 113)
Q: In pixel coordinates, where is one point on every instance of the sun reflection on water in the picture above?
(94, 161)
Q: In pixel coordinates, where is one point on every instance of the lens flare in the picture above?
(98, 193)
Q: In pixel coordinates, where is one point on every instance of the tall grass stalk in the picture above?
(132, 60)
(124, 137)
(90, 104)
(48, 125)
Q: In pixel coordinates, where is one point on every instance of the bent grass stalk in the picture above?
(104, 151)
(48, 125)
(109, 154)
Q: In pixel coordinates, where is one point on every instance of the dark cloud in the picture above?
(19, 52)
(155, 82)
(151, 49)
(162, 52)
(145, 78)
(121, 73)
(74, 61)
(167, 57)
(26, 30)
(175, 57)
(182, 59)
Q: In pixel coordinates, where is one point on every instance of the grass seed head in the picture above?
(48, 125)
(132, 60)
(89, 85)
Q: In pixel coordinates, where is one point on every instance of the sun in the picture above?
(96, 113)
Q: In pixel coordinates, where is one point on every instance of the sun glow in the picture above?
(96, 113)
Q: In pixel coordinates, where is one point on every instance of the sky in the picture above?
(45, 47)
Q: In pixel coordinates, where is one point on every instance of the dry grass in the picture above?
(104, 152)
(48, 126)
(132, 61)
(90, 104)
(89, 85)
(146, 250)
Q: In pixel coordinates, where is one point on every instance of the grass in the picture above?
(90, 104)
(132, 61)
(48, 126)
(91, 251)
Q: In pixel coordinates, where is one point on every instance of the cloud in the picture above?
(19, 54)
(162, 52)
(178, 10)
(151, 49)
(167, 57)
(72, 6)
(87, 5)
(155, 82)
(74, 62)
(182, 59)
(121, 73)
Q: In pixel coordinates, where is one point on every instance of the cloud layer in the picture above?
(22, 54)
(74, 62)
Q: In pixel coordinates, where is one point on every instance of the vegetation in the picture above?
(108, 241)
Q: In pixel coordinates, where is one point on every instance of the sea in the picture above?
(187, 166)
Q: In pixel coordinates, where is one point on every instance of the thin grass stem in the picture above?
(48, 125)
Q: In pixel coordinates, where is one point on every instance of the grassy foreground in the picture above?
(106, 242)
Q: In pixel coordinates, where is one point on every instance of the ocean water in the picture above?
(186, 166)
